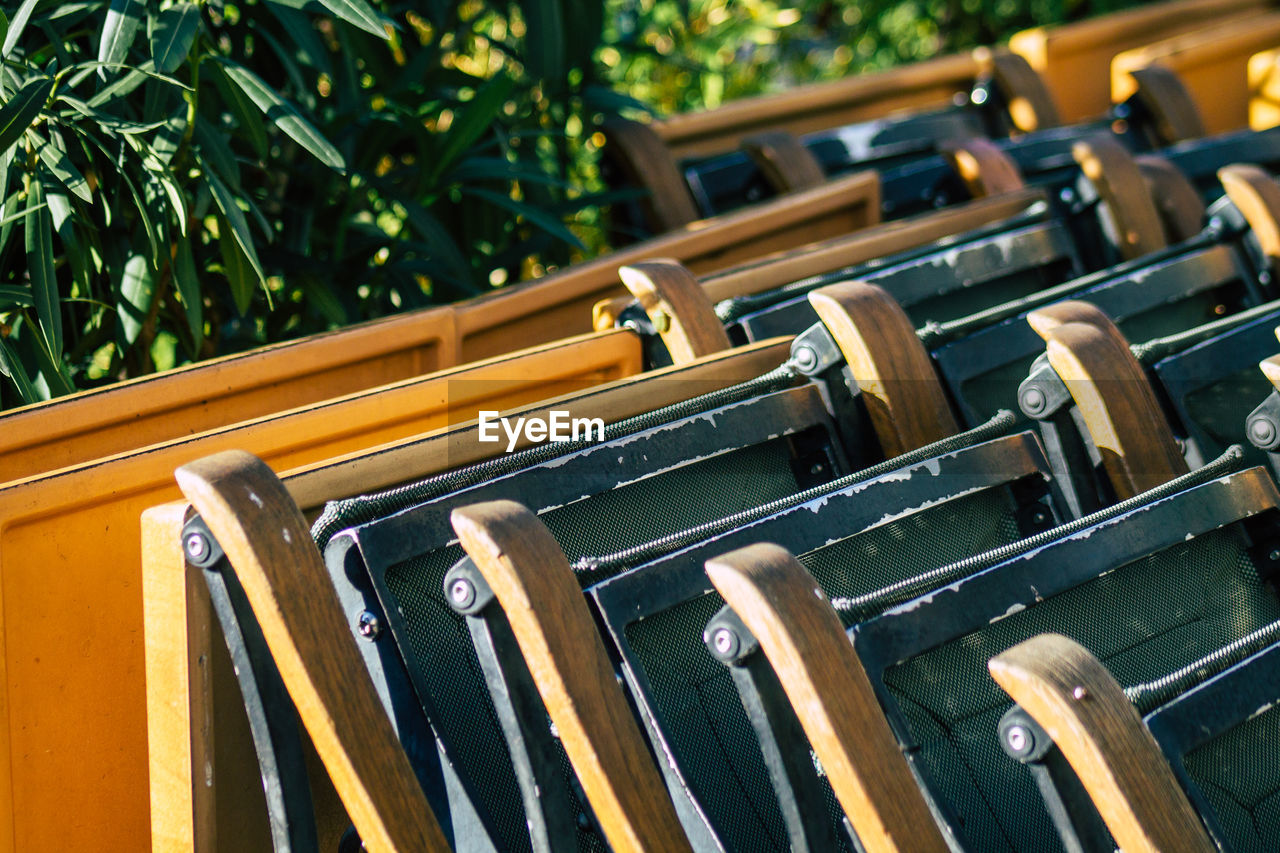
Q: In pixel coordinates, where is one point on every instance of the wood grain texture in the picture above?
(985, 169)
(1044, 320)
(268, 544)
(1074, 698)
(1031, 105)
(1257, 195)
(1270, 368)
(678, 307)
(1172, 109)
(904, 398)
(784, 161)
(1121, 188)
(646, 162)
(1263, 79)
(874, 242)
(781, 604)
(1118, 406)
(532, 581)
(1180, 207)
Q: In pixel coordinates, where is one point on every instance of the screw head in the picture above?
(462, 592)
(1274, 555)
(197, 546)
(725, 642)
(1262, 431)
(806, 358)
(1079, 693)
(1039, 517)
(1067, 195)
(368, 625)
(979, 96)
(662, 322)
(1019, 739)
(1033, 400)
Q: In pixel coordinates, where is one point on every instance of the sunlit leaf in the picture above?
(284, 115)
(473, 120)
(359, 14)
(187, 281)
(242, 274)
(236, 231)
(38, 233)
(531, 213)
(21, 110)
(11, 366)
(16, 25)
(61, 167)
(121, 27)
(175, 31)
(135, 288)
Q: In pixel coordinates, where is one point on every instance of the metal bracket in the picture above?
(728, 639)
(1074, 816)
(1043, 392)
(814, 351)
(1263, 424)
(465, 588)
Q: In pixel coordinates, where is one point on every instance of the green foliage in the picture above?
(182, 179)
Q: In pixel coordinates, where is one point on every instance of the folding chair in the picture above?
(1103, 578)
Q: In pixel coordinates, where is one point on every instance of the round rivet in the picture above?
(725, 642)
(806, 358)
(1079, 693)
(1262, 431)
(462, 592)
(1033, 400)
(368, 625)
(1018, 738)
(197, 545)
(1274, 556)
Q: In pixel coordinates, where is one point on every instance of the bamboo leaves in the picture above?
(284, 115)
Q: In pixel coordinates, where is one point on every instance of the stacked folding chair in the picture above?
(907, 481)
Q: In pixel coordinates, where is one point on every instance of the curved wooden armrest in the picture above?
(646, 162)
(1271, 368)
(1031, 106)
(1121, 188)
(1257, 195)
(904, 398)
(1044, 320)
(787, 165)
(1179, 205)
(267, 543)
(678, 307)
(1118, 406)
(801, 636)
(1167, 101)
(1076, 701)
(533, 583)
(984, 168)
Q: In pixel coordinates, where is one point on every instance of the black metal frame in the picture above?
(909, 629)
(678, 579)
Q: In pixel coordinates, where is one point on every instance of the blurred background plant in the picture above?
(182, 179)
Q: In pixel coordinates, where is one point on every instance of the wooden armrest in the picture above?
(646, 162)
(1045, 320)
(781, 604)
(1271, 367)
(678, 307)
(1179, 205)
(1076, 701)
(787, 165)
(904, 398)
(1118, 406)
(1257, 195)
(1031, 106)
(267, 543)
(1120, 186)
(1168, 103)
(984, 168)
(533, 583)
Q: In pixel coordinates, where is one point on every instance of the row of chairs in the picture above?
(745, 383)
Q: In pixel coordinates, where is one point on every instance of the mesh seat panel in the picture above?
(1239, 773)
(1221, 409)
(1142, 620)
(963, 301)
(709, 732)
(439, 644)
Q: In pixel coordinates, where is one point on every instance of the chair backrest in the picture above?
(1107, 584)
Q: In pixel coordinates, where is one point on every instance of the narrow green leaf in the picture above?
(284, 115)
(473, 120)
(64, 227)
(359, 14)
(544, 43)
(166, 142)
(531, 213)
(4, 27)
(434, 234)
(44, 284)
(21, 110)
(242, 275)
(16, 25)
(175, 31)
(237, 228)
(50, 368)
(304, 38)
(11, 366)
(155, 238)
(187, 281)
(61, 167)
(12, 297)
(216, 155)
(243, 109)
(135, 288)
(121, 27)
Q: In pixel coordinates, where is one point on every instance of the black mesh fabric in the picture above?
(1142, 620)
(1221, 409)
(964, 301)
(440, 648)
(1240, 777)
(694, 695)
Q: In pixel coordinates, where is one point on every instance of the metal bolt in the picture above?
(368, 625)
(1274, 556)
(1067, 195)
(197, 545)
(979, 96)
(662, 322)
(806, 358)
(1033, 400)
(1262, 431)
(1079, 693)
(725, 641)
(462, 593)
(1039, 517)
(1019, 738)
